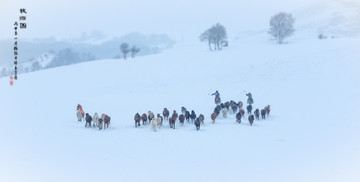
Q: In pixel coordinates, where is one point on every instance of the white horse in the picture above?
(153, 124)
(224, 112)
(79, 115)
(96, 120)
(159, 121)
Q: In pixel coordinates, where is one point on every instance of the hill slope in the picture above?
(311, 134)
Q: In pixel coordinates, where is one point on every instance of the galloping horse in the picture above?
(137, 119)
(251, 119)
(213, 117)
(257, 114)
(166, 113)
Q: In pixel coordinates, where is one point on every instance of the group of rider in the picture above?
(250, 100)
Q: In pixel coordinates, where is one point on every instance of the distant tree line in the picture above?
(63, 57)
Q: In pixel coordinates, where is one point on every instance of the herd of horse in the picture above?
(236, 108)
(101, 122)
(158, 121)
(223, 108)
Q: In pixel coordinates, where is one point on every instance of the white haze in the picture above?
(179, 19)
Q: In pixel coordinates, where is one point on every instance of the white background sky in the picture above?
(61, 18)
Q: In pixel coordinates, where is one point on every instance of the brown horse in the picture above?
(137, 119)
(213, 117)
(267, 108)
(257, 114)
(251, 119)
(172, 122)
(175, 115)
(242, 111)
(166, 113)
(263, 113)
(144, 118)
(201, 118)
(106, 120)
(240, 104)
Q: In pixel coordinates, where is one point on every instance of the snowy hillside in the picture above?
(312, 85)
(311, 134)
(336, 18)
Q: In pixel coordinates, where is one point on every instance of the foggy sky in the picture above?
(63, 18)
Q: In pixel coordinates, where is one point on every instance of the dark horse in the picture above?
(88, 120)
(257, 114)
(217, 110)
(183, 110)
(166, 113)
(249, 109)
(193, 116)
(263, 113)
(238, 117)
(197, 124)
(267, 108)
(234, 108)
(251, 119)
(137, 119)
(144, 118)
(187, 116)
(181, 118)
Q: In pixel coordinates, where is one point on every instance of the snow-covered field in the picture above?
(312, 133)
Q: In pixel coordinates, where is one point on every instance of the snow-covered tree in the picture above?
(215, 35)
(281, 26)
(134, 50)
(124, 48)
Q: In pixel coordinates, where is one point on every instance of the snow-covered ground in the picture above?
(312, 133)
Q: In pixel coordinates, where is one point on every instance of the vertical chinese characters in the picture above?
(22, 23)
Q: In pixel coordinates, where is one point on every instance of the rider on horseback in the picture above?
(217, 97)
(79, 107)
(250, 100)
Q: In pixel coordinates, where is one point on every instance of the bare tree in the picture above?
(207, 36)
(281, 26)
(134, 50)
(124, 48)
(215, 35)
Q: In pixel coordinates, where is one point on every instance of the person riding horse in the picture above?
(250, 100)
(79, 107)
(217, 97)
